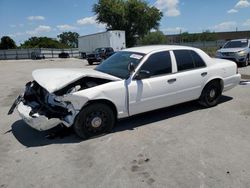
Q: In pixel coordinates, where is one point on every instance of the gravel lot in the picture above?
(180, 146)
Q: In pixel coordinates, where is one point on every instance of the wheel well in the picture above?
(218, 80)
(104, 101)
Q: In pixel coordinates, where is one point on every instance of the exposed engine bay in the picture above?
(41, 103)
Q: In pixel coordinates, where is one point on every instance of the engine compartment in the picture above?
(44, 103)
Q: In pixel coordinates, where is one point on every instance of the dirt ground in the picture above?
(180, 146)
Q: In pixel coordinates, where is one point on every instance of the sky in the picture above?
(22, 19)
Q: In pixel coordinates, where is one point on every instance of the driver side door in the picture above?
(157, 90)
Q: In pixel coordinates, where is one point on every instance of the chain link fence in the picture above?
(36, 52)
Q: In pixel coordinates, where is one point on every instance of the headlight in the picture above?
(242, 53)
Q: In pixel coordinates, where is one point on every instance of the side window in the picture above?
(184, 60)
(158, 63)
(198, 62)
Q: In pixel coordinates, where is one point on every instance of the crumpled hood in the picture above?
(231, 49)
(55, 79)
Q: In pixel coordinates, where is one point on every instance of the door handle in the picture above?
(204, 74)
(172, 80)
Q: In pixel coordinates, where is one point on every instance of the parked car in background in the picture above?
(130, 82)
(237, 51)
(37, 55)
(63, 55)
(99, 55)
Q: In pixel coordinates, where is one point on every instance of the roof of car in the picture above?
(148, 49)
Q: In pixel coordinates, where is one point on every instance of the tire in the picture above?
(93, 120)
(90, 62)
(210, 94)
(245, 64)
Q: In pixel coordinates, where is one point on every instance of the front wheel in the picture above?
(93, 120)
(245, 64)
(90, 62)
(210, 94)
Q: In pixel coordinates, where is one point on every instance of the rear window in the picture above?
(188, 59)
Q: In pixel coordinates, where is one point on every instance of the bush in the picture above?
(153, 38)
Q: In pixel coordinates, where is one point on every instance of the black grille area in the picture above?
(35, 96)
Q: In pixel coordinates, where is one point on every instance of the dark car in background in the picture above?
(99, 55)
(37, 55)
(63, 55)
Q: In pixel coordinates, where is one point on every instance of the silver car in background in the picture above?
(236, 50)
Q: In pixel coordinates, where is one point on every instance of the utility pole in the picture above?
(180, 36)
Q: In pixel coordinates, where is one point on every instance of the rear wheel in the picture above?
(93, 120)
(210, 94)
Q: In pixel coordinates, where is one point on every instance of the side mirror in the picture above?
(142, 75)
(131, 67)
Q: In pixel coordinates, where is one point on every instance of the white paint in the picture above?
(133, 96)
(55, 79)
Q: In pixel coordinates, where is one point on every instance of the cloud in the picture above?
(169, 7)
(246, 23)
(232, 11)
(87, 21)
(31, 18)
(242, 4)
(225, 26)
(39, 30)
(66, 27)
(91, 21)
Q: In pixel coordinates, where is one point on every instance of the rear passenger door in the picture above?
(190, 76)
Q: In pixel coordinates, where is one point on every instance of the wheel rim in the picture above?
(96, 122)
(212, 94)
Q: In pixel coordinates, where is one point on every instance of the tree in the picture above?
(69, 39)
(7, 43)
(42, 42)
(136, 17)
(153, 38)
(207, 36)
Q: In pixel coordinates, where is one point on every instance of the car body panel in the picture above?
(129, 96)
(55, 79)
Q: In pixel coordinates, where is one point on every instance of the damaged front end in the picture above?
(52, 98)
(40, 109)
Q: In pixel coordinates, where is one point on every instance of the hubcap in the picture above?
(212, 93)
(96, 122)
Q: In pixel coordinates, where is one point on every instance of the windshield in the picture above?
(236, 44)
(117, 64)
(99, 50)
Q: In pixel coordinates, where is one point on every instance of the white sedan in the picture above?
(130, 82)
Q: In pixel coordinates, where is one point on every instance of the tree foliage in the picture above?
(69, 39)
(7, 43)
(153, 38)
(136, 17)
(204, 36)
(42, 42)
